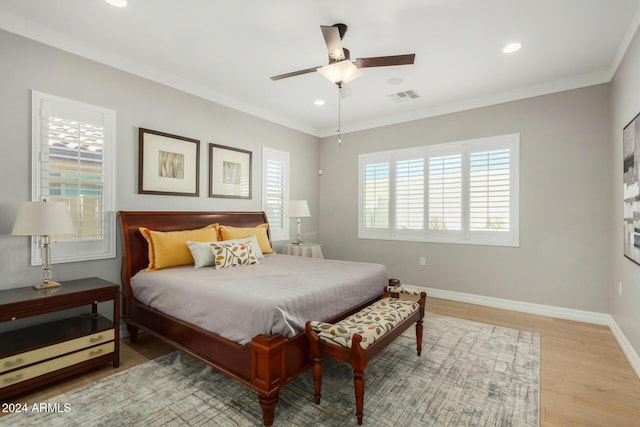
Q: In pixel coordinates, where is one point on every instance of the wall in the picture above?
(28, 65)
(625, 102)
(565, 181)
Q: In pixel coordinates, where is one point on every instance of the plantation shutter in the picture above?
(73, 172)
(375, 195)
(409, 197)
(275, 201)
(73, 162)
(276, 191)
(455, 192)
(445, 193)
(489, 191)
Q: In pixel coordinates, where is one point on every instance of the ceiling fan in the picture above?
(341, 69)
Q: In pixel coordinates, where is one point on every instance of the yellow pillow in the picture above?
(169, 248)
(228, 233)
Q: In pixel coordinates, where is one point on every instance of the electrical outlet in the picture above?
(620, 288)
(423, 261)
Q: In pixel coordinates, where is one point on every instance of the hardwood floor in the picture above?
(586, 379)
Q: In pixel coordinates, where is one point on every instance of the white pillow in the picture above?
(203, 257)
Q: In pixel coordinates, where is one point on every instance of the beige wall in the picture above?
(565, 204)
(625, 96)
(28, 65)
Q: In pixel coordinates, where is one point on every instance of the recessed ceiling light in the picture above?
(318, 102)
(117, 3)
(511, 47)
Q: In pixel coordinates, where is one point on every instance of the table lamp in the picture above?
(298, 209)
(43, 219)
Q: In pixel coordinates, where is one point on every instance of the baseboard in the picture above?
(627, 348)
(524, 307)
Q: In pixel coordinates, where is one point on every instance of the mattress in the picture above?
(276, 296)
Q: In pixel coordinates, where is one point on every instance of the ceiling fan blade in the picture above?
(385, 61)
(332, 39)
(295, 73)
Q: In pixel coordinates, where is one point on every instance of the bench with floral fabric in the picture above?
(360, 336)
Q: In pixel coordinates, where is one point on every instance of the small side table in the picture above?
(312, 250)
(49, 351)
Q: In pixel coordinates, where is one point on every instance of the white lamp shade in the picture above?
(42, 219)
(299, 209)
(342, 71)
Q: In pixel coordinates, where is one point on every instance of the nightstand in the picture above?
(312, 250)
(36, 355)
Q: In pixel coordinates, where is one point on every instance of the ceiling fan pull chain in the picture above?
(339, 114)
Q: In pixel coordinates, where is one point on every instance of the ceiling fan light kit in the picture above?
(340, 72)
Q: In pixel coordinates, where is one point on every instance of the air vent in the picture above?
(404, 96)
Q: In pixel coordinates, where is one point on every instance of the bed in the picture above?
(265, 360)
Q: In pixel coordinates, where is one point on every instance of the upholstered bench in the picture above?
(360, 336)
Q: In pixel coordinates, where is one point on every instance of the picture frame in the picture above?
(229, 172)
(168, 164)
(631, 189)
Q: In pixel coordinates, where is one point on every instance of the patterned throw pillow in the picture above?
(203, 257)
(229, 254)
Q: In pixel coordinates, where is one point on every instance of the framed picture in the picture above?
(631, 188)
(168, 164)
(229, 172)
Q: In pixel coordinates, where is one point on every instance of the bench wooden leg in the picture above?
(317, 376)
(419, 336)
(359, 358)
(358, 382)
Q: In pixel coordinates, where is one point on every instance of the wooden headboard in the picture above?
(135, 255)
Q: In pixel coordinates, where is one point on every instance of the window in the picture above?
(73, 160)
(275, 197)
(459, 192)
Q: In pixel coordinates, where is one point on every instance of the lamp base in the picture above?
(49, 285)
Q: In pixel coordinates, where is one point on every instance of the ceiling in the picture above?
(226, 51)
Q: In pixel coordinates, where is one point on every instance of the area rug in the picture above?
(469, 374)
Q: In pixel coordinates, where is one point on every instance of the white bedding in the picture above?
(276, 296)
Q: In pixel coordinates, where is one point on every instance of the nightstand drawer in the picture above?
(55, 364)
(33, 356)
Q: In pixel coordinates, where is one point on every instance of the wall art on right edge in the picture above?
(631, 188)
(229, 172)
